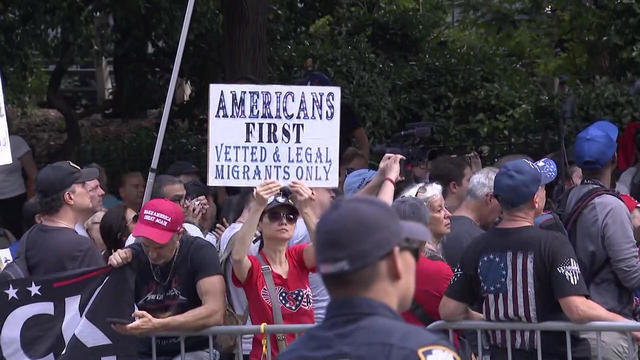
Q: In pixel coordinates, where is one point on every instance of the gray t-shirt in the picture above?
(605, 244)
(52, 249)
(463, 230)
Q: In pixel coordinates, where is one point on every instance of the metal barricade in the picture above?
(559, 326)
(238, 331)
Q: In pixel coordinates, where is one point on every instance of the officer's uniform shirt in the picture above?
(362, 328)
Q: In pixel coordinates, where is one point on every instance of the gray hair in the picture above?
(423, 191)
(481, 183)
(412, 209)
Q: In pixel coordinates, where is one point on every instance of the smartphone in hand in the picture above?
(120, 321)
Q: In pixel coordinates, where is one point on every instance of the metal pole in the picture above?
(167, 103)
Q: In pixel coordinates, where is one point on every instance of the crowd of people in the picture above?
(371, 262)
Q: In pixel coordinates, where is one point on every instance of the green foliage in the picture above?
(488, 79)
(484, 73)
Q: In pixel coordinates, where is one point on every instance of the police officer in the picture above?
(367, 258)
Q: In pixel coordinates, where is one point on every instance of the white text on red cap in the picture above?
(157, 217)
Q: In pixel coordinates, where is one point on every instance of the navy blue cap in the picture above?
(595, 145)
(359, 231)
(518, 180)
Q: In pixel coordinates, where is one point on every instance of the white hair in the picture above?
(481, 183)
(423, 191)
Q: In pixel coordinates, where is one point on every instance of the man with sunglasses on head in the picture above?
(367, 257)
(54, 246)
(178, 286)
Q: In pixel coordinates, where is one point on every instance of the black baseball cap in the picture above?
(182, 168)
(359, 231)
(59, 176)
(281, 199)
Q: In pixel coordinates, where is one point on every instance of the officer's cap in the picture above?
(359, 231)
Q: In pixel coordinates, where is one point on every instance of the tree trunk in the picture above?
(130, 62)
(57, 101)
(245, 38)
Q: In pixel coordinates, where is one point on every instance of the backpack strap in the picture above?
(540, 219)
(275, 301)
(571, 219)
(417, 310)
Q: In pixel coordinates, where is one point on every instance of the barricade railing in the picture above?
(558, 326)
(234, 330)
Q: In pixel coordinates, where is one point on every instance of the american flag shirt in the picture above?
(518, 274)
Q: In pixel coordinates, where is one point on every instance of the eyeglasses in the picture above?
(275, 216)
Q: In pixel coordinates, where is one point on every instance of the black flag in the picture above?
(63, 316)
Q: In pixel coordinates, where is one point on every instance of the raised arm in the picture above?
(304, 198)
(31, 169)
(242, 239)
(391, 172)
(389, 167)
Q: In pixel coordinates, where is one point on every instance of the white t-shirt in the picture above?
(319, 293)
(238, 298)
(81, 230)
(211, 237)
(11, 180)
(193, 230)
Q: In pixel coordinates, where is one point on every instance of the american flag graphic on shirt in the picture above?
(508, 288)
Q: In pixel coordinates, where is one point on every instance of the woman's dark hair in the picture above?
(234, 205)
(30, 209)
(113, 228)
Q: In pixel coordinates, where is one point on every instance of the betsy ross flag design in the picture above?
(64, 316)
(507, 283)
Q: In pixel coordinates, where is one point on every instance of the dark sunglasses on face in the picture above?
(275, 216)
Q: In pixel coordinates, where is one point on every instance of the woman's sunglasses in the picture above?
(275, 216)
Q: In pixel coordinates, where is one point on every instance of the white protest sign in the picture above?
(5, 257)
(273, 132)
(5, 145)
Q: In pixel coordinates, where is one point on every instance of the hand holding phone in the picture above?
(120, 321)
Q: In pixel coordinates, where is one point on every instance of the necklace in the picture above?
(173, 263)
(55, 221)
(593, 182)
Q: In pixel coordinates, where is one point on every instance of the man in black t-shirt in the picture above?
(54, 246)
(179, 284)
(478, 212)
(522, 273)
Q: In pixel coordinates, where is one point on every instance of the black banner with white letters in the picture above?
(63, 316)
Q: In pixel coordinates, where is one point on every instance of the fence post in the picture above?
(182, 349)
(598, 339)
(568, 336)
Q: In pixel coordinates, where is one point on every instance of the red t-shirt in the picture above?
(432, 279)
(294, 295)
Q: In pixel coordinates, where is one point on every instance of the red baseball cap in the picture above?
(629, 201)
(159, 219)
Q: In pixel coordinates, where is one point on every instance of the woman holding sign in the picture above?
(274, 213)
